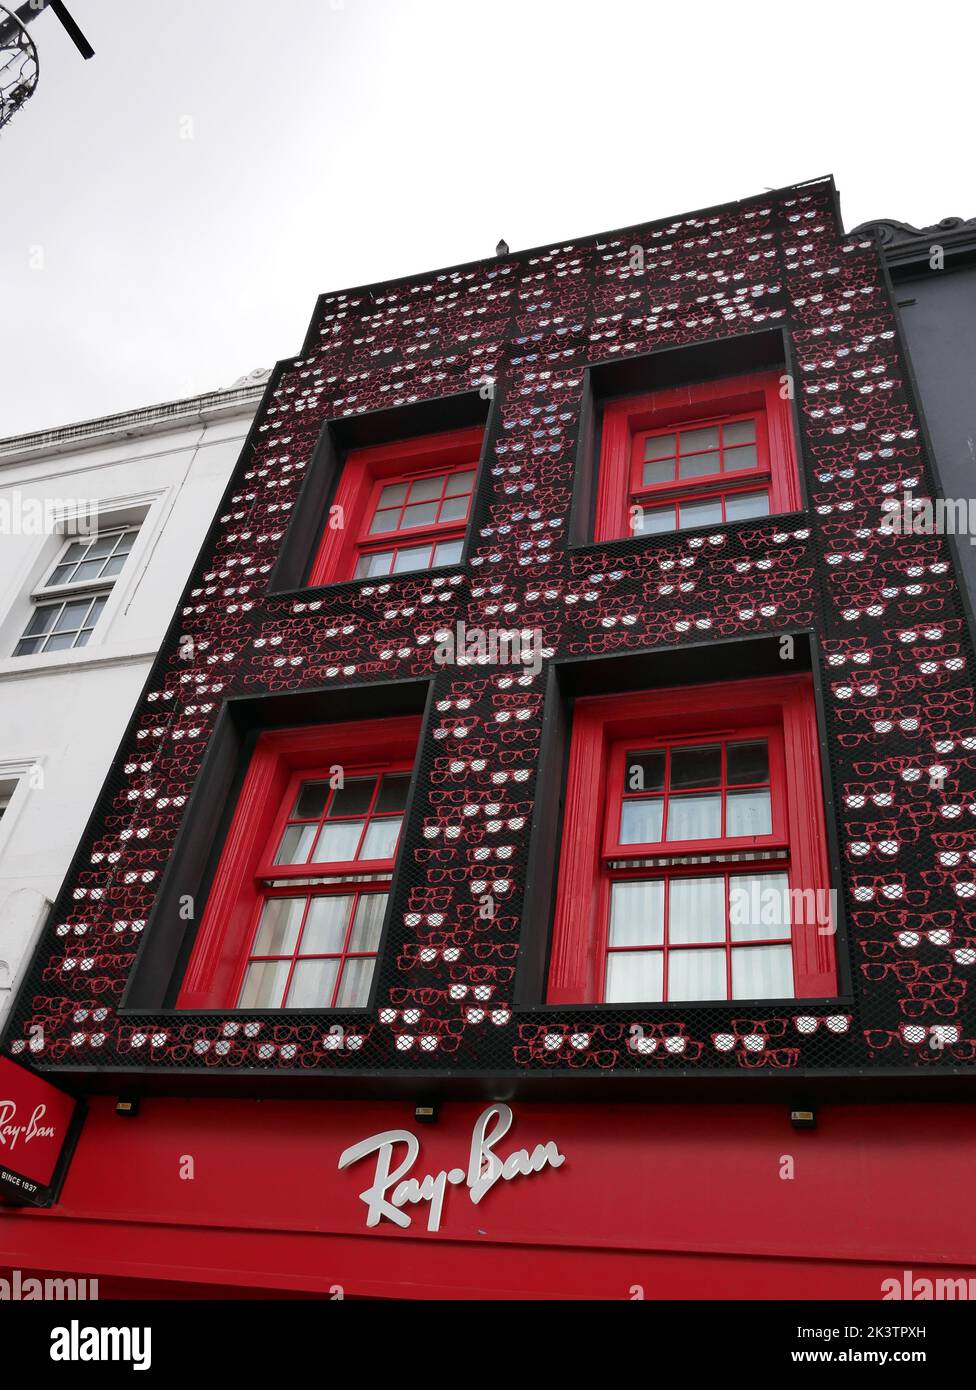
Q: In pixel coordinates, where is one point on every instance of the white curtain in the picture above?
(695, 817)
(637, 913)
(697, 910)
(762, 972)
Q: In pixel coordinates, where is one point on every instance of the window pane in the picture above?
(353, 798)
(660, 446)
(748, 762)
(762, 972)
(279, 926)
(377, 562)
(420, 515)
(338, 841)
(295, 844)
(426, 489)
(641, 819)
(745, 457)
(448, 552)
(325, 926)
(652, 521)
(27, 646)
(392, 495)
(415, 557)
(700, 513)
(759, 907)
(696, 975)
(75, 551)
(637, 913)
(742, 505)
(369, 922)
(384, 521)
(748, 813)
(698, 465)
(73, 616)
(91, 569)
(93, 616)
(660, 472)
(694, 440)
(354, 985)
(113, 567)
(460, 483)
(739, 432)
(64, 641)
(644, 772)
(103, 546)
(634, 977)
(96, 610)
(60, 575)
(381, 838)
(393, 792)
(264, 984)
(695, 817)
(454, 508)
(43, 619)
(696, 767)
(312, 984)
(311, 799)
(696, 910)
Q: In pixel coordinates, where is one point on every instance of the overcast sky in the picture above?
(171, 208)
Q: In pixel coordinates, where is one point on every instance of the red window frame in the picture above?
(281, 760)
(605, 728)
(627, 422)
(365, 473)
(614, 847)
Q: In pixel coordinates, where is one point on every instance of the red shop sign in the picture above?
(39, 1125)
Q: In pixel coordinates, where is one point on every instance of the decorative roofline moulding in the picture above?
(901, 241)
(239, 398)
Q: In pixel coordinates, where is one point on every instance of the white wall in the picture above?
(62, 714)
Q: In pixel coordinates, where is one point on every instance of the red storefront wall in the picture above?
(658, 1201)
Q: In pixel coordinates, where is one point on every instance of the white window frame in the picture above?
(85, 586)
(60, 602)
(14, 789)
(144, 512)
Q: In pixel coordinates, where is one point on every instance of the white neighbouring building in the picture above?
(100, 523)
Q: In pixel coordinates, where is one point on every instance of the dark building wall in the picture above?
(938, 314)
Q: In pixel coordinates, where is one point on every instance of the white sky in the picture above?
(337, 142)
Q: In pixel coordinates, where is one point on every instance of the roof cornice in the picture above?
(901, 242)
(107, 429)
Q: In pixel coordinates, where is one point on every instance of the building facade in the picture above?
(539, 863)
(100, 523)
